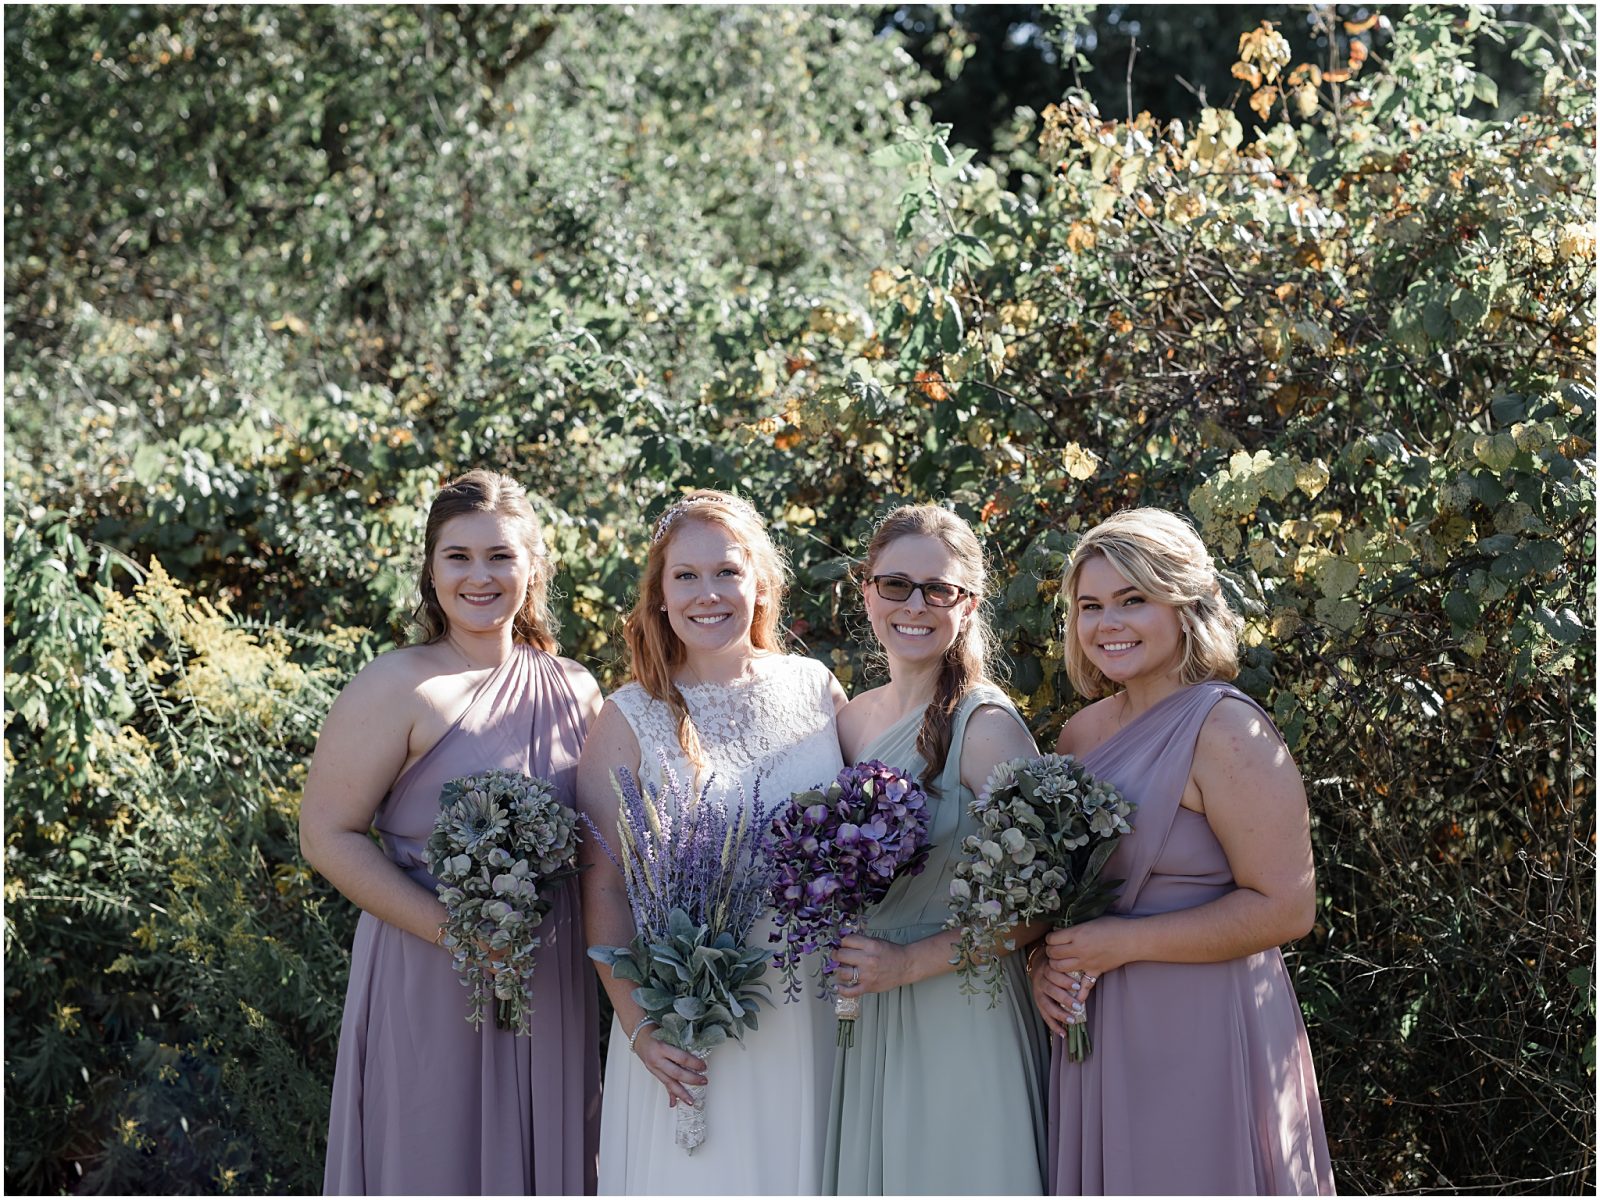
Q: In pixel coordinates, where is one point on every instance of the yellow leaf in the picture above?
(1265, 46)
(1183, 207)
(1078, 462)
(292, 323)
(1262, 100)
(1311, 478)
(1080, 237)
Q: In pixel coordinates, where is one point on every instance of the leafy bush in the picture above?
(288, 269)
(1356, 344)
(172, 963)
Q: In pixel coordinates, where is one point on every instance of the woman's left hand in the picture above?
(869, 964)
(1093, 948)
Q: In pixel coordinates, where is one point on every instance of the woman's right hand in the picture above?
(1059, 996)
(676, 1069)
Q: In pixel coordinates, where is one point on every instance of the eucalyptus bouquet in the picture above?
(837, 848)
(1046, 829)
(697, 880)
(499, 845)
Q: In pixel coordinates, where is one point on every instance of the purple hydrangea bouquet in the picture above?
(1045, 830)
(697, 880)
(837, 847)
(500, 844)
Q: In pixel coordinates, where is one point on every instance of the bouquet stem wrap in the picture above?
(1079, 1043)
(691, 1129)
(848, 1010)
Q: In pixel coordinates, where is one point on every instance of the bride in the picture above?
(712, 693)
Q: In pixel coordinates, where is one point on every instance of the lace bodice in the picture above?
(777, 727)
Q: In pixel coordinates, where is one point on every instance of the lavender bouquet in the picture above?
(1046, 829)
(697, 881)
(838, 847)
(499, 845)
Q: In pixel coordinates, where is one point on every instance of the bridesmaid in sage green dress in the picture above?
(941, 1093)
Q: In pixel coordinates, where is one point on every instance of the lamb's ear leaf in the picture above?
(623, 967)
(652, 999)
(679, 925)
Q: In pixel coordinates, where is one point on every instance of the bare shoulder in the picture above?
(610, 744)
(394, 674)
(1236, 731)
(372, 730)
(856, 721)
(611, 741)
(1239, 760)
(993, 726)
(1088, 727)
(994, 735)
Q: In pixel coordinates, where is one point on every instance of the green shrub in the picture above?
(1356, 344)
(1353, 340)
(173, 966)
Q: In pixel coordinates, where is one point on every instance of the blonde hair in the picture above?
(1161, 555)
(966, 663)
(483, 491)
(653, 648)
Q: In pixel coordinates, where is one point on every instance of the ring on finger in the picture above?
(855, 977)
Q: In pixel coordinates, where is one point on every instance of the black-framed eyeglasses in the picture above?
(936, 593)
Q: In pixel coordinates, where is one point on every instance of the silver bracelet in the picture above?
(643, 1021)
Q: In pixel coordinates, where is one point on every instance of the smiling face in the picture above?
(911, 631)
(481, 566)
(1129, 637)
(709, 588)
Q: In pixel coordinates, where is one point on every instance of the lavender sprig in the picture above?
(697, 881)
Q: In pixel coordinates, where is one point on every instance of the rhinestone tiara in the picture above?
(684, 505)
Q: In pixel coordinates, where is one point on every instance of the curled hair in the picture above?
(1161, 555)
(483, 491)
(654, 650)
(967, 662)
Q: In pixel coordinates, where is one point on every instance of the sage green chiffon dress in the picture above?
(941, 1094)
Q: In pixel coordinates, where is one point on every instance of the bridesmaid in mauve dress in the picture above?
(1200, 1080)
(422, 1102)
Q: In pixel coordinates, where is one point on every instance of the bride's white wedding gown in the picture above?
(767, 1099)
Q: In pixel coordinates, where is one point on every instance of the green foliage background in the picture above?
(273, 273)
